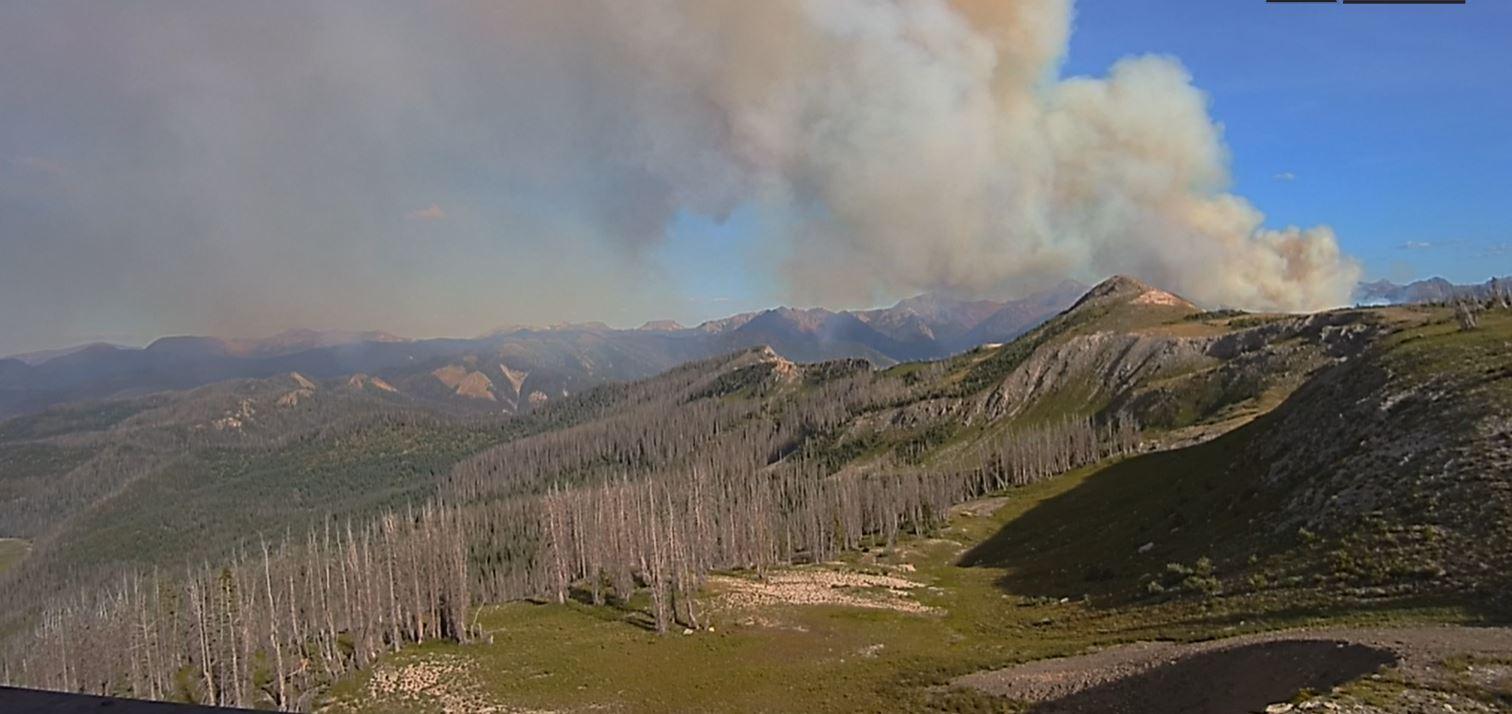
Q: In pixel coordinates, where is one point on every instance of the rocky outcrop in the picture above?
(515, 378)
(476, 385)
(1152, 374)
(1095, 368)
(292, 399)
(361, 381)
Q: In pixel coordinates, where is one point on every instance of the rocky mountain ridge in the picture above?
(519, 368)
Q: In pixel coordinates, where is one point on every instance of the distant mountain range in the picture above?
(1385, 292)
(513, 369)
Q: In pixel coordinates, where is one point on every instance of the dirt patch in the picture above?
(815, 586)
(450, 375)
(442, 683)
(1160, 297)
(979, 508)
(1239, 674)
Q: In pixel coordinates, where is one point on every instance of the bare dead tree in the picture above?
(1464, 313)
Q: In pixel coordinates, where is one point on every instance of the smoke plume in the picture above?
(929, 145)
(432, 168)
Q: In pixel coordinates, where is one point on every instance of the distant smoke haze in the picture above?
(238, 168)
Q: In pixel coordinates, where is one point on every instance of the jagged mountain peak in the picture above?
(931, 304)
(1435, 289)
(1119, 285)
(1122, 289)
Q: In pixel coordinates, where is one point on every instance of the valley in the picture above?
(756, 532)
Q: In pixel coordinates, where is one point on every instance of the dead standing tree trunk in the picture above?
(273, 638)
(1465, 314)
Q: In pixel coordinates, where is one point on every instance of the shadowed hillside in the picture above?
(1383, 476)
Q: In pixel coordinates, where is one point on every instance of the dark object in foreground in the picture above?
(1241, 679)
(35, 701)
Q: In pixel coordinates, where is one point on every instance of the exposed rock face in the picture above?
(451, 375)
(514, 378)
(1161, 297)
(292, 399)
(1100, 365)
(237, 418)
(361, 381)
(1148, 374)
(1341, 334)
(466, 383)
(1120, 288)
(476, 385)
(756, 356)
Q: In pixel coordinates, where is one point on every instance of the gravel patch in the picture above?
(813, 586)
(1241, 674)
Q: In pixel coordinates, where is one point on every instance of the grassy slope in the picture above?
(12, 550)
(1042, 582)
(1217, 500)
(815, 658)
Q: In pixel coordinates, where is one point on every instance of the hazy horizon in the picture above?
(240, 170)
(142, 341)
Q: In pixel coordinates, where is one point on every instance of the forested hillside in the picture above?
(156, 482)
(633, 494)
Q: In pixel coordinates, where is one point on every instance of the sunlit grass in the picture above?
(829, 658)
(12, 551)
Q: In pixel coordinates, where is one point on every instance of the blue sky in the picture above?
(1394, 121)
(241, 168)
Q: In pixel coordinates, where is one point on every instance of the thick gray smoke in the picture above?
(425, 168)
(929, 145)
